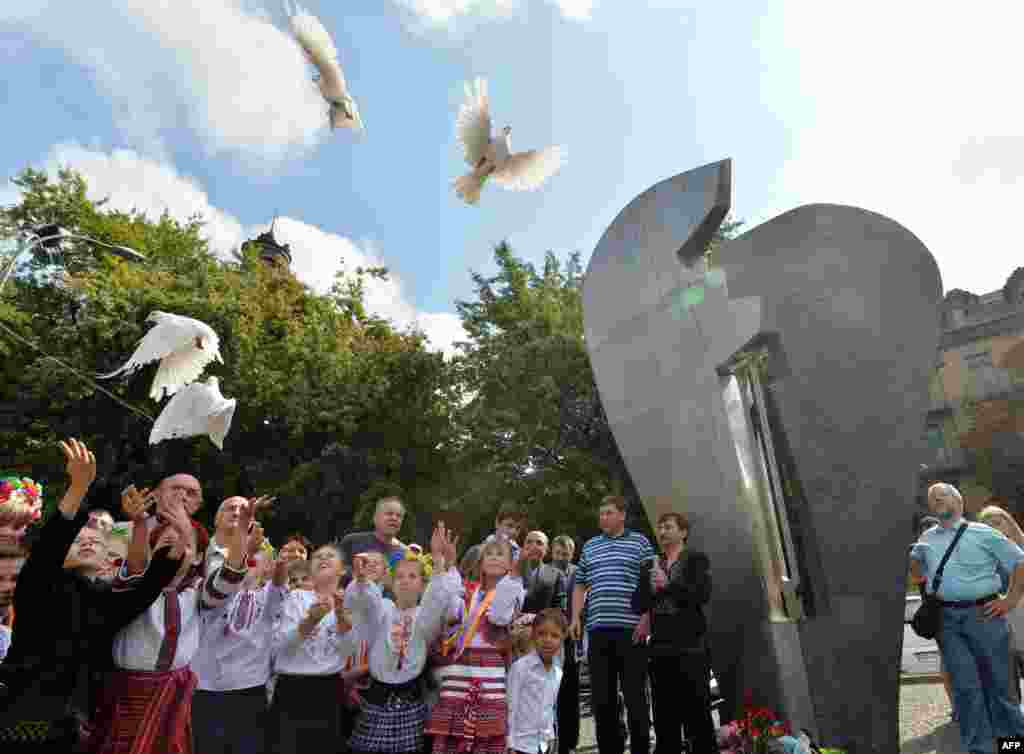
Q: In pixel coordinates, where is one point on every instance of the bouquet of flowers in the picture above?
(21, 500)
(757, 731)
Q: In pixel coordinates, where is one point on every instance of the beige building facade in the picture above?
(975, 424)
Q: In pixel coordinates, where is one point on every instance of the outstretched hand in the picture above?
(135, 502)
(81, 465)
(261, 503)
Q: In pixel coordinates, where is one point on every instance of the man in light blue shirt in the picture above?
(974, 637)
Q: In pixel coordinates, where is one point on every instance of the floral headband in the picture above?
(24, 491)
(408, 554)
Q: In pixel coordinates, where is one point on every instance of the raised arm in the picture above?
(365, 600)
(46, 560)
(226, 579)
(437, 600)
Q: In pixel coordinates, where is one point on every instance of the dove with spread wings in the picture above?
(183, 346)
(321, 52)
(493, 158)
(197, 409)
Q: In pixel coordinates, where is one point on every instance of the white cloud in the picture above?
(911, 117)
(317, 255)
(458, 17)
(132, 181)
(212, 66)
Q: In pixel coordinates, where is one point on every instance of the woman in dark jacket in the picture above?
(678, 588)
(65, 621)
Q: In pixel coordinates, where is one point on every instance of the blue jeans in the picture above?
(976, 652)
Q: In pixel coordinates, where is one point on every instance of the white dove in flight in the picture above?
(321, 52)
(184, 347)
(197, 409)
(493, 158)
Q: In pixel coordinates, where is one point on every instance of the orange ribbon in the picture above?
(465, 633)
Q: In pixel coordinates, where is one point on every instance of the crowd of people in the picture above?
(150, 635)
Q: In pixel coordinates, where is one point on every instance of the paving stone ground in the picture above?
(925, 724)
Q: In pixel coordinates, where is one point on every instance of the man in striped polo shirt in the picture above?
(609, 570)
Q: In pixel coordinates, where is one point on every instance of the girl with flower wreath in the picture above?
(471, 715)
(393, 710)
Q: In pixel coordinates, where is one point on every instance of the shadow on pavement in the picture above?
(942, 740)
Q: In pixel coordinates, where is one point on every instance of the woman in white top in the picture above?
(310, 646)
(400, 635)
(1002, 521)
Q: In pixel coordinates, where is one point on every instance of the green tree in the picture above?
(533, 429)
(331, 400)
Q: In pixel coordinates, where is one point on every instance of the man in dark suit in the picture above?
(545, 585)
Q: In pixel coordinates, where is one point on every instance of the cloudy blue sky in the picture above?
(903, 108)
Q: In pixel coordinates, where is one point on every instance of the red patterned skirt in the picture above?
(146, 713)
(471, 714)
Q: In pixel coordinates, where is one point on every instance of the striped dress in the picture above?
(471, 716)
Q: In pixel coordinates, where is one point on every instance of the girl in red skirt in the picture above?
(471, 716)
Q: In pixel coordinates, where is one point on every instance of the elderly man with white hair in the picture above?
(974, 634)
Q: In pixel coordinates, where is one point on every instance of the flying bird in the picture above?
(493, 158)
(197, 409)
(184, 348)
(321, 52)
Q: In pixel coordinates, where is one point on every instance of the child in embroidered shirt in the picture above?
(533, 683)
(355, 675)
(400, 634)
(471, 715)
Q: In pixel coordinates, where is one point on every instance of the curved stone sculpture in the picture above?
(798, 475)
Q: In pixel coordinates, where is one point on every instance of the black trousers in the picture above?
(613, 658)
(567, 706)
(306, 716)
(679, 685)
(230, 722)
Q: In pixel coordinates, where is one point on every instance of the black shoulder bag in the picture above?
(928, 618)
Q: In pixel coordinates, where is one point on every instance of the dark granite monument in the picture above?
(776, 397)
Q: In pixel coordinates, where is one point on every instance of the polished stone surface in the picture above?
(845, 302)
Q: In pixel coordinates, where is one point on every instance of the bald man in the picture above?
(226, 521)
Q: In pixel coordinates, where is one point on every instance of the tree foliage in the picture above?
(335, 407)
(534, 430)
(330, 399)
